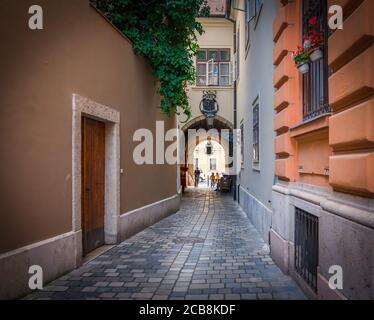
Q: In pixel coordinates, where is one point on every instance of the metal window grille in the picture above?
(306, 247)
(315, 82)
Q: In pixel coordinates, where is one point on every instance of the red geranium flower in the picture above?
(313, 21)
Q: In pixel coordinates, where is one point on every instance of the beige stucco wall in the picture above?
(77, 52)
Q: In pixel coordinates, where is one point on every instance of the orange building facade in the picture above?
(323, 200)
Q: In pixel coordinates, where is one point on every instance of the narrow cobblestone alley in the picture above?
(207, 250)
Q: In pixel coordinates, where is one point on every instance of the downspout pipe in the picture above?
(228, 10)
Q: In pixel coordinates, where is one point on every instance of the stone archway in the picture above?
(200, 122)
(221, 126)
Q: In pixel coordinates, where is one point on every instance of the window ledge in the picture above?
(217, 88)
(309, 127)
(256, 167)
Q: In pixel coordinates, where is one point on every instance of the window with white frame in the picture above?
(256, 133)
(242, 142)
(213, 67)
(252, 11)
(249, 15)
(258, 4)
(258, 7)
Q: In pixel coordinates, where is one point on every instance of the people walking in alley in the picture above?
(197, 173)
(217, 177)
(217, 181)
(212, 180)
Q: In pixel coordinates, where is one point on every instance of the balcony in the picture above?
(315, 82)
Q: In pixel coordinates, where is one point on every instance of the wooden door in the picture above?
(93, 183)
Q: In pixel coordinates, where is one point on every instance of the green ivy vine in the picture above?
(164, 31)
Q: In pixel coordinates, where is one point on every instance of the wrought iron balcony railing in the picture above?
(315, 82)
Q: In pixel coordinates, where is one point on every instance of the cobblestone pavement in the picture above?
(207, 250)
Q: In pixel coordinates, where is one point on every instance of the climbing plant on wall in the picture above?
(165, 32)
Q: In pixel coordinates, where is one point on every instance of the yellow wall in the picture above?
(218, 34)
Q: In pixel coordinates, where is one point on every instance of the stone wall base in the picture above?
(56, 256)
(137, 220)
(258, 214)
(62, 254)
(279, 251)
(346, 238)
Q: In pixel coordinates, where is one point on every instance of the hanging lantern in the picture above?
(209, 148)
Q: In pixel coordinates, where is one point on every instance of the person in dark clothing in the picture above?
(197, 177)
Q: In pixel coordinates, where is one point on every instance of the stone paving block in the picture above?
(160, 297)
(89, 289)
(232, 296)
(142, 295)
(163, 292)
(168, 282)
(149, 290)
(116, 284)
(107, 295)
(131, 284)
(248, 296)
(214, 280)
(197, 297)
(123, 296)
(194, 291)
(216, 297)
(166, 286)
(265, 296)
(177, 295)
(180, 289)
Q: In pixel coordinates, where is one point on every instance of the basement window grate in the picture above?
(306, 247)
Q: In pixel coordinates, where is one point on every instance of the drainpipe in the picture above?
(234, 178)
(235, 124)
